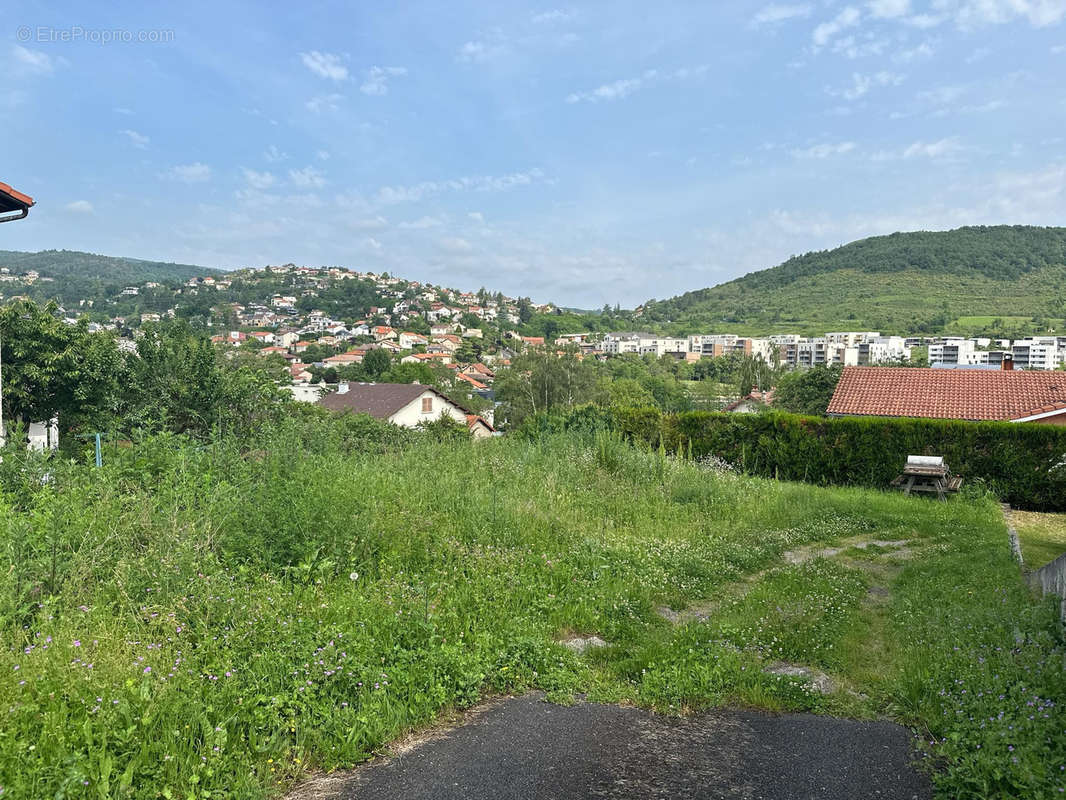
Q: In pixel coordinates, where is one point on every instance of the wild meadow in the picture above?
(213, 620)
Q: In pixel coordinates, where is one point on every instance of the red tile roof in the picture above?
(473, 419)
(475, 383)
(12, 199)
(968, 394)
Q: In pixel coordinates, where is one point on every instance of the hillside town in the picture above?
(318, 319)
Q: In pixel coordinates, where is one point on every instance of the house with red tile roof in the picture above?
(342, 360)
(479, 427)
(299, 372)
(966, 394)
(427, 358)
(472, 381)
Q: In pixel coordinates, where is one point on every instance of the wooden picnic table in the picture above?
(927, 474)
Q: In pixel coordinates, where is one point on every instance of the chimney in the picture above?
(1008, 362)
(342, 387)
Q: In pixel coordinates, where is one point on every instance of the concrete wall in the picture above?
(1051, 579)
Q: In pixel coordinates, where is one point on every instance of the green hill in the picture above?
(1001, 279)
(79, 275)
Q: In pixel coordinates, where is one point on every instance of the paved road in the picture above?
(525, 749)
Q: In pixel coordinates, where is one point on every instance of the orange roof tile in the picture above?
(13, 199)
(968, 394)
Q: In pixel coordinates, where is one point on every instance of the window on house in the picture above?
(427, 405)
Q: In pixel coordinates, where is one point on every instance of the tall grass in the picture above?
(211, 621)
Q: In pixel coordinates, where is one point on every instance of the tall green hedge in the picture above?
(1025, 464)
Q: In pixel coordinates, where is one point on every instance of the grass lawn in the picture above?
(1043, 536)
(197, 622)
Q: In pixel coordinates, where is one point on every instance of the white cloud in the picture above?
(863, 47)
(944, 148)
(325, 65)
(34, 62)
(862, 84)
(775, 13)
(620, 89)
(555, 15)
(825, 150)
(273, 154)
(889, 9)
(476, 216)
(324, 102)
(974, 13)
(455, 244)
(982, 108)
(258, 180)
(189, 173)
(80, 207)
(616, 90)
(923, 50)
(421, 224)
(942, 95)
(393, 195)
(370, 223)
(377, 79)
(824, 33)
(478, 52)
(322, 155)
(1058, 48)
(307, 177)
(138, 140)
(924, 21)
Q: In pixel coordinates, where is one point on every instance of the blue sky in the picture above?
(586, 154)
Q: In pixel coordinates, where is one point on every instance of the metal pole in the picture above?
(99, 459)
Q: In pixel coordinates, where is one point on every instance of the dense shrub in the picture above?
(1024, 464)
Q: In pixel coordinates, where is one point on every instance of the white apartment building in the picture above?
(882, 350)
(817, 352)
(956, 351)
(618, 343)
(1038, 353)
(664, 346)
(851, 338)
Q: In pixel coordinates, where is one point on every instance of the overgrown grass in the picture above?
(1042, 536)
(204, 622)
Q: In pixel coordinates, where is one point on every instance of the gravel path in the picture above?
(523, 748)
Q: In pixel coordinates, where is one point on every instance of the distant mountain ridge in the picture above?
(111, 269)
(925, 281)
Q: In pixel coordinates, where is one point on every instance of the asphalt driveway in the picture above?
(523, 748)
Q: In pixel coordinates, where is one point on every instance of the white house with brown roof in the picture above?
(404, 404)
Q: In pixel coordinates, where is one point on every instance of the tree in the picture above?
(51, 368)
(177, 381)
(525, 310)
(629, 393)
(754, 373)
(807, 391)
(540, 380)
(376, 363)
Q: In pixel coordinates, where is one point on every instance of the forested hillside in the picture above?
(79, 275)
(991, 279)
